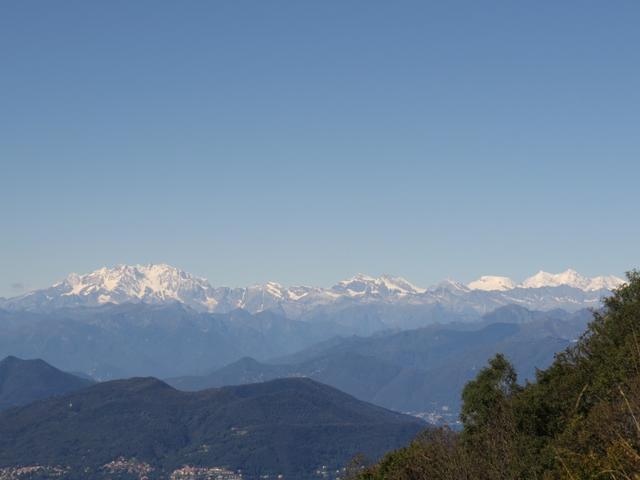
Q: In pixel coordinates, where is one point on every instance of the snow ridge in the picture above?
(490, 283)
(162, 283)
(573, 279)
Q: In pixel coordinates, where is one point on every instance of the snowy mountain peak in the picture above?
(571, 278)
(607, 282)
(400, 284)
(451, 286)
(271, 288)
(545, 279)
(384, 285)
(151, 283)
(492, 283)
(357, 278)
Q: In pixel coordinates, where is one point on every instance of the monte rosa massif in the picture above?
(161, 284)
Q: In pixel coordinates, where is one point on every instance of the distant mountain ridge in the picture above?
(414, 370)
(25, 381)
(161, 284)
(136, 339)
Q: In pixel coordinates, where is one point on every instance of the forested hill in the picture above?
(289, 426)
(25, 381)
(579, 420)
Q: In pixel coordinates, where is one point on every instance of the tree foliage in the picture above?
(488, 394)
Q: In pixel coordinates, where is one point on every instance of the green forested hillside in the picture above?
(580, 419)
(289, 426)
(25, 381)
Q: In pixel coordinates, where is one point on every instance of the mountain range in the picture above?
(162, 284)
(290, 426)
(161, 321)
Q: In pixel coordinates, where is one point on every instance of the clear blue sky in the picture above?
(306, 141)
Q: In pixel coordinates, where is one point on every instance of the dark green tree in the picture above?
(488, 394)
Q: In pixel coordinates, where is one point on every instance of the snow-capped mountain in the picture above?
(153, 284)
(492, 283)
(147, 283)
(568, 278)
(161, 283)
(363, 285)
(571, 278)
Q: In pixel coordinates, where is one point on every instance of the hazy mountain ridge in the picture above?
(167, 340)
(415, 370)
(25, 381)
(115, 341)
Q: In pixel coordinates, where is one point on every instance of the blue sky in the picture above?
(306, 141)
